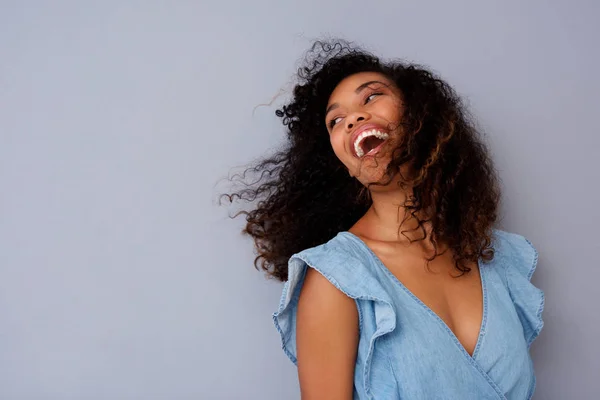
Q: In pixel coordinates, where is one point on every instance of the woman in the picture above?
(379, 215)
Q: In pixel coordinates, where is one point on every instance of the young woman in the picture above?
(379, 215)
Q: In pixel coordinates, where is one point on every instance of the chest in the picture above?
(422, 349)
(455, 298)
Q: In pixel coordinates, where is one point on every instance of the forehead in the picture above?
(349, 84)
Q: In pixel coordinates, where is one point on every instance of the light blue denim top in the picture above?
(405, 350)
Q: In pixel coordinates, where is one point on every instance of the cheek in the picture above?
(337, 144)
(390, 111)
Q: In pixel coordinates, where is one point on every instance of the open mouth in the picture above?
(369, 142)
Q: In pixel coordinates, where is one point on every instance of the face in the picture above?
(363, 116)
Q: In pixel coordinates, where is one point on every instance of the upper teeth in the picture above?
(363, 135)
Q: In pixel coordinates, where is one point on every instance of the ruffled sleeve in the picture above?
(338, 262)
(520, 258)
(285, 316)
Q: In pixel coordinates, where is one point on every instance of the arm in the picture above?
(326, 339)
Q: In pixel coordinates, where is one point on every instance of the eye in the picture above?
(371, 97)
(333, 122)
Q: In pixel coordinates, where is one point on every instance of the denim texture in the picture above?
(405, 350)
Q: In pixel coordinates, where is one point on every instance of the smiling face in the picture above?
(363, 115)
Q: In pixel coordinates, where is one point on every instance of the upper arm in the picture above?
(326, 339)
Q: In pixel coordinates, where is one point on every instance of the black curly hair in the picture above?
(304, 195)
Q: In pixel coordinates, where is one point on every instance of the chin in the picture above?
(379, 176)
(372, 170)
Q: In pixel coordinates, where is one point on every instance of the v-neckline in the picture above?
(429, 310)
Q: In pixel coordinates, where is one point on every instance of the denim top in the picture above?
(405, 350)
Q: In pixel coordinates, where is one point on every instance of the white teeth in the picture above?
(373, 132)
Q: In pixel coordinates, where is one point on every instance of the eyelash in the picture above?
(332, 123)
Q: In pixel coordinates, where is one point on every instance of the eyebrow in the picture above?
(357, 91)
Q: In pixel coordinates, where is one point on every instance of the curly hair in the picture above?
(304, 196)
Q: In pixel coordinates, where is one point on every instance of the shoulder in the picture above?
(324, 276)
(342, 252)
(343, 261)
(336, 275)
(514, 253)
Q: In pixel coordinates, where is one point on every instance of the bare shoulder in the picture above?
(326, 338)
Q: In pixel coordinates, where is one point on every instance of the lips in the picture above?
(381, 133)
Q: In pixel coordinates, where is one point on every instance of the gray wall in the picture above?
(119, 276)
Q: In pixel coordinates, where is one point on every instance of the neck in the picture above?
(387, 218)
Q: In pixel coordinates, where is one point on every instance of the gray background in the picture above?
(120, 278)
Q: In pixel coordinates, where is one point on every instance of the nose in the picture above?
(354, 119)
